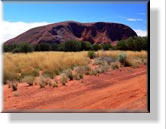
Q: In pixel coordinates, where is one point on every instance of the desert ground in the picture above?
(123, 89)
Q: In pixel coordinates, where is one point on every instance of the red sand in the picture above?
(122, 90)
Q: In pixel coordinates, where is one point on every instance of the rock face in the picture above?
(98, 32)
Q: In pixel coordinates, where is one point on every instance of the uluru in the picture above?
(96, 32)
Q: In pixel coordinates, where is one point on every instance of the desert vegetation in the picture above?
(132, 43)
(43, 68)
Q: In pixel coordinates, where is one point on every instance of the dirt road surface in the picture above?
(121, 90)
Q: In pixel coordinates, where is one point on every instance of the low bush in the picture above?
(94, 72)
(103, 60)
(14, 85)
(91, 54)
(106, 46)
(87, 70)
(133, 43)
(28, 79)
(134, 62)
(69, 74)
(53, 83)
(122, 58)
(115, 65)
(96, 46)
(43, 81)
(63, 79)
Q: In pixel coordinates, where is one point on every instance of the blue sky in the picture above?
(20, 17)
(133, 15)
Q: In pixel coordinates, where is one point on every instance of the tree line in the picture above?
(132, 43)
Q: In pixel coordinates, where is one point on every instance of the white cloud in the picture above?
(10, 30)
(141, 32)
(134, 19)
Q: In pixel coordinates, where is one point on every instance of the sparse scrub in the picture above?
(135, 62)
(69, 74)
(53, 83)
(105, 68)
(76, 76)
(17, 66)
(94, 72)
(43, 81)
(14, 86)
(87, 70)
(28, 79)
(63, 79)
(115, 65)
(81, 75)
(103, 60)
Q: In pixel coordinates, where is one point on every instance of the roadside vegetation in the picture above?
(53, 64)
(44, 69)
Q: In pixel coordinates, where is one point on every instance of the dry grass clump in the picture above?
(28, 79)
(114, 54)
(103, 60)
(69, 74)
(63, 79)
(53, 83)
(13, 85)
(50, 63)
(115, 65)
(134, 62)
(43, 81)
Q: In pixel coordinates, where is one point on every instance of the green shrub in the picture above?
(23, 48)
(91, 54)
(106, 46)
(43, 47)
(96, 46)
(16, 50)
(122, 58)
(72, 45)
(85, 45)
(133, 43)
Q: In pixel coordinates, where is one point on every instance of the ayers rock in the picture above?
(97, 32)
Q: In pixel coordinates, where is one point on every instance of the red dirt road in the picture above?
(122, 90)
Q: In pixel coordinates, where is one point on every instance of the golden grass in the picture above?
(16, 66)
(130, 54)
(47, 62)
